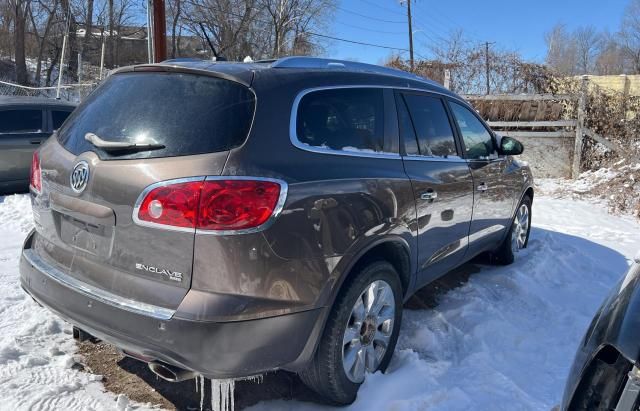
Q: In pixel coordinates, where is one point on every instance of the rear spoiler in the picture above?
(224, 71)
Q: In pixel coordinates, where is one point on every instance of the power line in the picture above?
(383, 8)
(368, 29)
(362, 43)
(369, 17)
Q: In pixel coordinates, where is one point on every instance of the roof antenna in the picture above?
(213, 49)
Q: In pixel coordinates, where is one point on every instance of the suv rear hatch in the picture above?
(184, 125)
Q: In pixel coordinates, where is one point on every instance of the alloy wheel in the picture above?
(520, 229)
(368, 331)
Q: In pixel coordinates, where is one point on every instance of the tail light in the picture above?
(213, 205)
(35, 175)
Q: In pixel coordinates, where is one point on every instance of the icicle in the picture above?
(201, 393)
(222, 395)
(197, 381)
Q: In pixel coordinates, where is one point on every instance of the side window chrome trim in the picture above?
(433, 158)
(293, 129)
(293, 135)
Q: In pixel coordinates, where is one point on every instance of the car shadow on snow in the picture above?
(134, 379)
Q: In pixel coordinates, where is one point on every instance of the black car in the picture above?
(25, 122)
(606, 374)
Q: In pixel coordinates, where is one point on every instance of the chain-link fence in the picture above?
(69, 92)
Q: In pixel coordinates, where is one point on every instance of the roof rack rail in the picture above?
(323, 63)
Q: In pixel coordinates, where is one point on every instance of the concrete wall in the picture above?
(617, 83)
(547, 156)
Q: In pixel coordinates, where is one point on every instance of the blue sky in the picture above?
(515, 25)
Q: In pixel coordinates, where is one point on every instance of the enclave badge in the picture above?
(79, 177)
(171, 275)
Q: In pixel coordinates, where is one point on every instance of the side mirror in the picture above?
(510, 146)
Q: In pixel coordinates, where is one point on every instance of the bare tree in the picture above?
(174, 14)
(610, 59)
(229, 24)
(630, 35)
(588, 44)
(43, 17)
(20, 10)
(562, 51)
(290, 18)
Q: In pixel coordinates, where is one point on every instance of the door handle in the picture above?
(483, 187)
(429, 195)
(35, 142)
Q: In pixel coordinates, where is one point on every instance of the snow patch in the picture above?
(504, 340)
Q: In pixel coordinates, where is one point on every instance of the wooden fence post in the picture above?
(580, 127)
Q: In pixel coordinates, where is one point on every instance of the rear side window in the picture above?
(20, 121)
(349, 119)
(432, 126)
(58, 117)
(187, 113)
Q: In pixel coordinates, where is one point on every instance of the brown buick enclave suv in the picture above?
(227, 219)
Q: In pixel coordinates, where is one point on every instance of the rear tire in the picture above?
(357, 330)
(518, 236)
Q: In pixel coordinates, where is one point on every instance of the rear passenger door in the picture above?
(21, 131)
(441, 180)
(494, 183)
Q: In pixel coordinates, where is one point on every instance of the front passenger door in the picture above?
(441, 181)
(493, 188)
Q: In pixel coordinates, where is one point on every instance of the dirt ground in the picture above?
(123, 375)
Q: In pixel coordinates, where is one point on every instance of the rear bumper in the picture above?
(214, 349)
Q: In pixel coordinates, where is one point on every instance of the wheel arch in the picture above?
(394, 249)
(606, 353)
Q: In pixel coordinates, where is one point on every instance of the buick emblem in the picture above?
(79, 177)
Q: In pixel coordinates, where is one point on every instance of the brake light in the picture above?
(35, 175)
(211, 205)
(173, 205)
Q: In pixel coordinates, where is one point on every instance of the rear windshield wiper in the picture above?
(122, 145)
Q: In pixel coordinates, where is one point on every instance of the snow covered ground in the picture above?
(504, 340)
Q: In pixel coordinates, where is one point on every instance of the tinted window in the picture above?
(435, 135)
(188, 114)
(407, 132)
(477, 139)
(20, 121)
(342, 119)
(58, 117)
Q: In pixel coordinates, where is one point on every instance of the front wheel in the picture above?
(360, 335)
(518, 237)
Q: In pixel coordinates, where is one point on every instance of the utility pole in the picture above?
(487, 66)
(159, 31)
(150, 31)
(410, 34)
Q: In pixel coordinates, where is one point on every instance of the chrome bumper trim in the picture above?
(95, 293)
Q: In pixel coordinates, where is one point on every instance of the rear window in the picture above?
(20, 121)
(349, 119)
(188, 114)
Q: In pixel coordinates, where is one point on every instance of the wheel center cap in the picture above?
(368, 330)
